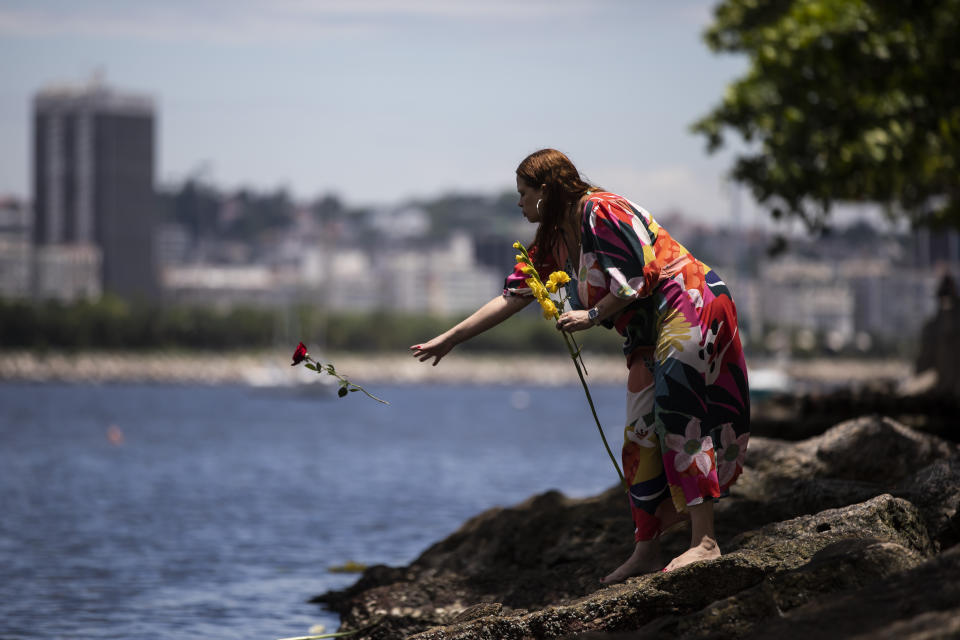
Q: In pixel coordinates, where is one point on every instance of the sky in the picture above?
(382, 101)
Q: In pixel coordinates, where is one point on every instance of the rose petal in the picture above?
(300, 354)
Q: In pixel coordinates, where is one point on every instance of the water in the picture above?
(215, 512)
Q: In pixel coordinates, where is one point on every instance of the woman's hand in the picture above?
(489, 315)
(435, 348)
(576, 320)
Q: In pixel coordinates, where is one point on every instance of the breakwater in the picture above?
(271, 368)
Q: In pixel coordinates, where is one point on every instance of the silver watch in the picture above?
(593, 315)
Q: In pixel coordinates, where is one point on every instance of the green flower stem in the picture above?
(574, 354)
(354, 387)
(344, 383)
(577, 355)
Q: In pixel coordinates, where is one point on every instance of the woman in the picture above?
(688, 410)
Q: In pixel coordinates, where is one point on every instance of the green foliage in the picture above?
(111, 323)
(114, 324)
(845, 100)
(478, 215)
(195, 206)
(244, 216)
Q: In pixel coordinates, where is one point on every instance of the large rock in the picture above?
(922, 603)
(847, 564)
(867, 449)
(935, 490)
(916, 401)
(545, 550)
(758, 555)
(806, 520)
(849, 463)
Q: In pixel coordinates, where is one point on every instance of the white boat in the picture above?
(767, 381)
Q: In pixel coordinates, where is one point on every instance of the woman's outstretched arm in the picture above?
(487, 316)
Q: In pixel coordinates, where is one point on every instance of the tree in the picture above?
(844, 100)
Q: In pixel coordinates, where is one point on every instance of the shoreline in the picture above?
(271, 368)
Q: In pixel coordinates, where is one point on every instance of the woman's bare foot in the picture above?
(703, 541)
(706, 550)
(645, 559)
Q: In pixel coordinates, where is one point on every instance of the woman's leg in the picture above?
(645, 559)
(709, 393)
(683, 419)
(643, 469)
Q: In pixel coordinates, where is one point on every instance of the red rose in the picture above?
(300, 354)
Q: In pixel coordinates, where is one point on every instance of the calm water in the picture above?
(214, 512)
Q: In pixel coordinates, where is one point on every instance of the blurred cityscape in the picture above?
(97, 224)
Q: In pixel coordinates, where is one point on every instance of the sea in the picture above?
(179, 511)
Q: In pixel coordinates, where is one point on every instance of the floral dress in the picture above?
(688, 406)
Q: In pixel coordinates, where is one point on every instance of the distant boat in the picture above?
(768, 381)
(271, 376)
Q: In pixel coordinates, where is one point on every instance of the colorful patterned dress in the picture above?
(688, 405)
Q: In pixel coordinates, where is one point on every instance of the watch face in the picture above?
(593, 313)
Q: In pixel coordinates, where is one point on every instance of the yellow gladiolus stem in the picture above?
(593, 409)
(541, 293)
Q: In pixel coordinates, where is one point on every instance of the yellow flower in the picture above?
(519, 258)
(529, 270)
(549, 309)
(556, 279)
(539, 292)
(517, 245)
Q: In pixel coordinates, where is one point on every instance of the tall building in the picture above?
(94, 200)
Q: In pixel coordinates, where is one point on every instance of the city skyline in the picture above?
(379, 103)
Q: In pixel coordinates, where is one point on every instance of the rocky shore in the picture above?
(849, 534)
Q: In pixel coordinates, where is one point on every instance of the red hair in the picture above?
(562, 186)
